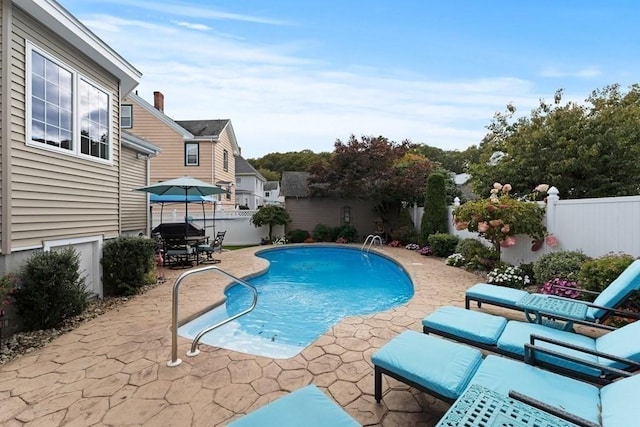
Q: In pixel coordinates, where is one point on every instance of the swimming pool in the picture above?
(305, 291)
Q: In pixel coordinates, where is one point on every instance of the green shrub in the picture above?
(562, 265)
(322, 233)
(405, 234)
(470, 247)
(347, 232)
(597, 274)
(126, 263)
(443, 244)
(297, 235)
(50, 289)
(435, 218)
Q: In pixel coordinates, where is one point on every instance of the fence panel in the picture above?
(594, 226)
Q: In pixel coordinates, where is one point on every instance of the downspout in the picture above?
(5, 132)
(119, 163)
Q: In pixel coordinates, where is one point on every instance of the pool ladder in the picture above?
(175, 361)
(371, 239)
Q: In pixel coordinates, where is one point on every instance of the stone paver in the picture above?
(113, 370)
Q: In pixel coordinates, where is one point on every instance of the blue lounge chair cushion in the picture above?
(622, 342)
(498, 294)
(502, 375)
(470, 325)
(307, 406)
(516, 335)
(627, 282)
(436, 364)
(619, 402)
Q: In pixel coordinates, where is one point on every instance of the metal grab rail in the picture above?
(175, 361)
(371, 239)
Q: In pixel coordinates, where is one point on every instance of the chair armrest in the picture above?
(533, 338)
(581, 290)
(577, 321)
(530, 358)
(553, 410)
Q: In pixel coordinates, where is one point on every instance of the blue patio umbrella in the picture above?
(184, 187)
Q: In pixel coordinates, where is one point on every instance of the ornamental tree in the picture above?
(501, 217)
(271, 215)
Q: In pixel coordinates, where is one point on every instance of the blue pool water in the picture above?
(304, 293)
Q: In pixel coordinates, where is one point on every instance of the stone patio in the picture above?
(113, 369)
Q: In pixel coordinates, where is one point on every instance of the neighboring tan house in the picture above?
(249, 185)
(136, 167)
(306, 212)
(272, 193)
(63, 165)
(203, 149)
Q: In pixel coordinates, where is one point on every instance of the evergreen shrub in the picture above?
(128, 263)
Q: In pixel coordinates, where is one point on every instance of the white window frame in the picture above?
(225, 160)
(76, 77)
(129, 108)
(186, 154)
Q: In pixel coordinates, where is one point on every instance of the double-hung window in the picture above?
(126, 116)
(67, 112)
(225, 160)
(191, 154)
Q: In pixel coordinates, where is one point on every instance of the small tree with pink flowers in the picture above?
(501, 217)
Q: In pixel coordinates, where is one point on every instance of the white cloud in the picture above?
(192, 26)
(585, 73)
(280, 98)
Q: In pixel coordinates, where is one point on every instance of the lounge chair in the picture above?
(307, 406)
(619, 348)
(600, 309)
(446, 369)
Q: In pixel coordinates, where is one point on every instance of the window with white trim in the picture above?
(68, 113)
(191, 154)
(225, 160)
(126, 116)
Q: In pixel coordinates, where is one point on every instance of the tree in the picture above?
(585, 150)
(372, 168)
(297, 161)
(271, 215)
(435, 217)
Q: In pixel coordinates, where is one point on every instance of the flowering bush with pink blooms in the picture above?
(560, 287)
(395, 243)
(426, 251)
(501, 217)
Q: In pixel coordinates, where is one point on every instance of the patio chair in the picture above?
(618, 348)
(210, 248)
(306, 406)
(177, 253)
(604, 306)
(446, 369)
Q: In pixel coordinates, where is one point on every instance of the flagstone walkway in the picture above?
(113, 370)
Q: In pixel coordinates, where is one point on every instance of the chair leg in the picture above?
(377, 384)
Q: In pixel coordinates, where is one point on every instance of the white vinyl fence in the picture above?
(237, 224)
(594, 226)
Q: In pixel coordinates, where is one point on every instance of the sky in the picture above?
(294, 75)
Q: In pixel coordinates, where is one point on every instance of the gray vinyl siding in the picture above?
(134, 203)
(57, 196)
(306, 213)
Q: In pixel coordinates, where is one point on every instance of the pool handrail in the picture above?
(175, 361)
(371, 239)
